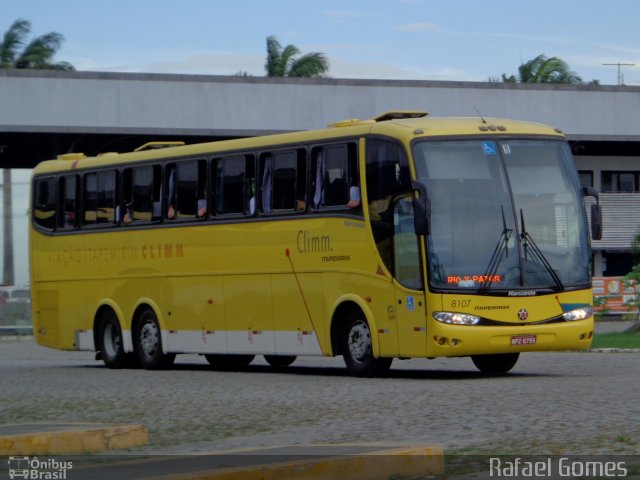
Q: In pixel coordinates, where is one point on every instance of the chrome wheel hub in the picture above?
(112, 340)
(149, 339)
(359, 341)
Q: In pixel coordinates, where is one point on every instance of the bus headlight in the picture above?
(578, 314)
(456, 318)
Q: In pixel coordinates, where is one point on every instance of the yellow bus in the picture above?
(402, 236)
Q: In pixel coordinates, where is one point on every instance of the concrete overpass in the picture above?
(45, 113)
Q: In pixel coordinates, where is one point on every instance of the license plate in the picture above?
(523, 340)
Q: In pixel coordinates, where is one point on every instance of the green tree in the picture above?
(544, 70)
(635, 249)
(632, 281)
(281, 62)
(15, 52)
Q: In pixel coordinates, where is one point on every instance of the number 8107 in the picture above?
(460, 303)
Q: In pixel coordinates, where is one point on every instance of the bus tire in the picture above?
(110, 341)
(280, 361)
(148, 343)
(357, 349)
(495, 363)
(228, 362)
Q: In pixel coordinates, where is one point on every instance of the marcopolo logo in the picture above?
(38, 469)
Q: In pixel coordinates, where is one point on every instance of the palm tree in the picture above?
(15, 52)
(281, 61)
(635, 249)
(544, 70)
(37, 54)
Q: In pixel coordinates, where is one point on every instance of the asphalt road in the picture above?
(551, 403)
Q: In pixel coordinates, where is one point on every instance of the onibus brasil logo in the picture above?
(38, 469)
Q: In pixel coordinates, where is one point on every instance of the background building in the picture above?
(46, 113)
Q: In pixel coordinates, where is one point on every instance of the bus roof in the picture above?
(405, 126)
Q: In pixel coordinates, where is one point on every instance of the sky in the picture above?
(461, 40)
(388, 39)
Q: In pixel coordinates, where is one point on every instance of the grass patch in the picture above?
(628, 339)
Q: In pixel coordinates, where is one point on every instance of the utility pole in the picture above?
(619, 65)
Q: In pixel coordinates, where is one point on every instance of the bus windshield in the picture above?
(505, 215)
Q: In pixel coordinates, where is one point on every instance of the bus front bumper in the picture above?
(445, 340)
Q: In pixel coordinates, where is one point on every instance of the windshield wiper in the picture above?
(530, 248)
(500, 250)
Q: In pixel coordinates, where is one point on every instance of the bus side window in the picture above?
(336, 182)
(230, 185)
(145, 195)
(201, 190)
(284, 181)
(187, 190)
(250, 185)
(265, 170)
(353, 178)
(336, 186)
(68, 211)
(301, 180)
(125, 212)
(156, 195)
(170, 186)
(90, 199)
(107, 197)
(44, 212)
(100, 198)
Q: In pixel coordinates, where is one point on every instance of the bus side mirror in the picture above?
(421, 209)
(596, 213)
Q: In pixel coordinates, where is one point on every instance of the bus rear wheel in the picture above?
(110, 342)
(148, 343)
(228, 362)
(280, 361)
(495, 363)
(357, 349)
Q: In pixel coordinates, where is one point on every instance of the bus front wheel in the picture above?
(357, 349)
(495, 363)
(149, 343)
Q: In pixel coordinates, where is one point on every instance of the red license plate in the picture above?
(524, 340)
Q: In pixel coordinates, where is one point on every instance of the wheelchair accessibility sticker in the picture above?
(411, 303)
(489, 148)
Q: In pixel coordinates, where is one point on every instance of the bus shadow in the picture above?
(331, 371)
(338, 371)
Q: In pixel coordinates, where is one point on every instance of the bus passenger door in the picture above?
(411, 322)
(408, 283)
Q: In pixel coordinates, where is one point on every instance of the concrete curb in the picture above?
(376, 464)
(615, 350)
(59, 439)
(16, 338)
